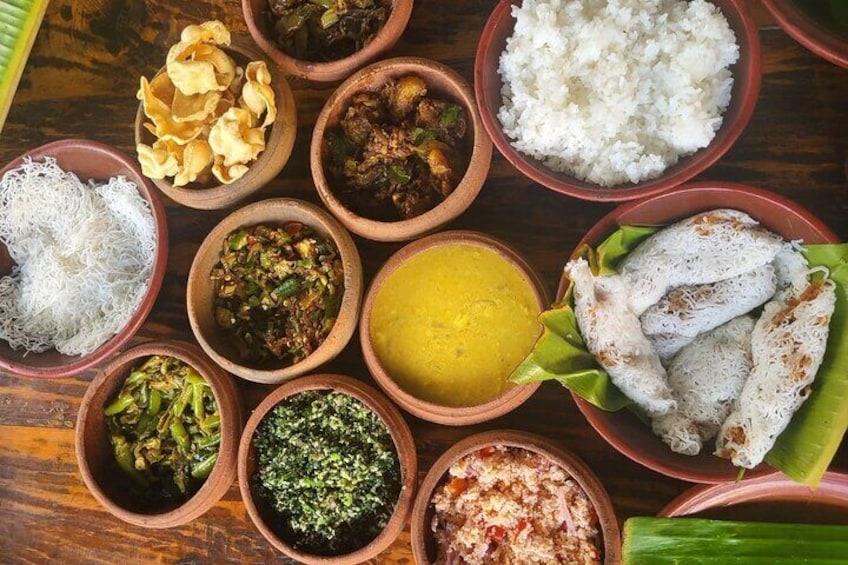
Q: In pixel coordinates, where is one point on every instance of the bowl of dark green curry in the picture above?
(157, 434)
(327, 469)
(325, 40)
(274, 290)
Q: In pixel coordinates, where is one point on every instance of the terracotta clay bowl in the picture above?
(622, 429)
(279, 141)
(443, 83)
(89, 160)
(825, 41)
(265, 518)
(256, 16)
(747, 77)
(101, 473)
(200, 289)
(510, 399)
(772, 498)
(423, 542)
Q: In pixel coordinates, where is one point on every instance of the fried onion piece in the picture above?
(257, 95)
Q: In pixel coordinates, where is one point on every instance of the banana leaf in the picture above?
(803, 451)
(698, 541)
(19, 23)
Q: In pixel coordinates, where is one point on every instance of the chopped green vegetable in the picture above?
(696, 541)
(327, 464)
(398, 175)
(163, 427)
(277, 291)
(450, 115)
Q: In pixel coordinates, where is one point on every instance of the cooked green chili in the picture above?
(164, 428)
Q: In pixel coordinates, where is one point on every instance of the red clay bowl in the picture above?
(257, 23)
(101, 473)
(423, 544)
(822, 40)
(200, 290)
(90, 160)
(746, 88)
(772, 498)
(264, 518)
(279, 141)
(442, 82)
(622, 429)
(508, 400)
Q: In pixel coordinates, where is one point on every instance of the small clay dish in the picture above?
(256, 16)
(268, 521)
(279, 141)
(772, 498)
(443, 83)
(99, 470)
(89, 160)
(825, 41)
(421, 533)
(511, 398)
(622, 429)
(746, 88)
(200, 291)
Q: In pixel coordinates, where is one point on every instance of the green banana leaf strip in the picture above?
(803, 451)
(807, 446)
(696, 541)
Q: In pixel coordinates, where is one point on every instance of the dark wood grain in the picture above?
(80, 82)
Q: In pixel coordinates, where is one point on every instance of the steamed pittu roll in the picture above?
(787, 346)
(706, 248)
(613, 334)
(687, 311)
(706, 377)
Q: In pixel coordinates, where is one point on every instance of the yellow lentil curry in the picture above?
(451, 324)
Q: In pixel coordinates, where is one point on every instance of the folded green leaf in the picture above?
(696, 541)
(807, 446)
(19, 22)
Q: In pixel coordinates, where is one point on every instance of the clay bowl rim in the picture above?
(809, 32)
(345, 325)
(404, 447)
(457, 201)
(508, 401)
(775, 487)
(571, 463)
(278, 147)
(330, 71)
(229, 407)
(718, 193)
(157, 272)
(486, 76)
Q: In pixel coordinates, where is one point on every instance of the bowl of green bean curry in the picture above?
(157, 434)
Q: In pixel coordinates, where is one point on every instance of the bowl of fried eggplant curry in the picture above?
(399, 150)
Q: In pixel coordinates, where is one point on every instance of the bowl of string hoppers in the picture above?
(83, 249)
(612, 101)
(702, 334)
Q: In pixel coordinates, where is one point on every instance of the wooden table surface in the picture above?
(81, 81)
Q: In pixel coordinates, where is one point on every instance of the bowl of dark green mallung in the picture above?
(327, 470)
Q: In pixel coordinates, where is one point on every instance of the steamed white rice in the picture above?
(612, 91)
